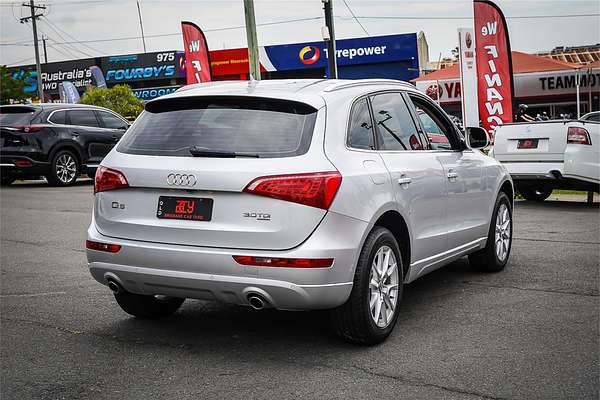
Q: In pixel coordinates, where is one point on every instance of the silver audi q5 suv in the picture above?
(296, 195)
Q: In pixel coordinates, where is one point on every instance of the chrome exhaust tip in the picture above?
(114, 286)
(256, 302)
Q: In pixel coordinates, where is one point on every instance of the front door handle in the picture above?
(452, 175)
(75, 134)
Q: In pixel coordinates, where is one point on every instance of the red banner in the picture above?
(197, 57)
(494, 65)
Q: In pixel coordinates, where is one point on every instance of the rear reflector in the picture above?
(577, 135)
(313, 189)
(284, 262)
(109, 179)
(107, 247)
(29, 128)
(23, 163)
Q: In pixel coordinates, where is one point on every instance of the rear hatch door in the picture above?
(268, 137)
(543, 141)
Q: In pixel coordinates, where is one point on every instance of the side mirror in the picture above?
(477, 138)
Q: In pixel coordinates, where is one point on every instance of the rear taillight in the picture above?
(29, 128)
(577, 135)
(109, 179)
(313, 189)
(284, 262)
(106, 247)
(22, 163)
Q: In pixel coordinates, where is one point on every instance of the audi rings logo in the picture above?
(181, 180)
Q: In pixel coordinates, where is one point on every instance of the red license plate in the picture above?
(527, 144)
(188, 208)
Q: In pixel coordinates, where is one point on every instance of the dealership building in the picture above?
(543, 84)
(154, 74)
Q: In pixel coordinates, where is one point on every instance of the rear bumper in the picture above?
(534, 170)
(212, 273)
(30, 167)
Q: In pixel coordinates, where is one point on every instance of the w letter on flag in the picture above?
(197, 57)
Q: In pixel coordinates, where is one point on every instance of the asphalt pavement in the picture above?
(529, 332)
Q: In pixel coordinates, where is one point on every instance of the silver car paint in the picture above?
(446, 219)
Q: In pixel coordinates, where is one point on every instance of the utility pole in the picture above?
(329, 38)
(253, 59)
(141, 25)
(44, 46)
(38, 67)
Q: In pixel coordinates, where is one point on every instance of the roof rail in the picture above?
(361, 82)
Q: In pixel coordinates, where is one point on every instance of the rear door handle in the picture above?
(452, 175)
(404, 180)
(75, 134)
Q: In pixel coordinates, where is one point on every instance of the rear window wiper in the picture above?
(198, 151)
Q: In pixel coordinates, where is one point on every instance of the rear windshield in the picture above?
(11, 116)
(255, 127)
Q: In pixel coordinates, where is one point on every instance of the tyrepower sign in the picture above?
(494, 67)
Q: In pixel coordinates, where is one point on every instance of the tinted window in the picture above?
(58, 117)
(246, 126)
(82, 118)
(395, 125)
(438, 129)
(111, 121)
(595, 117)
(10, 116)
(360, 135)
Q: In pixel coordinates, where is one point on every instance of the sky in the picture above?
(109, 27)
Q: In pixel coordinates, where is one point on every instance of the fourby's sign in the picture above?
(494, 67)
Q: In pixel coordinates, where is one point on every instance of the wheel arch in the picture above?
(396, 223)
(73, 147)
(507, 188)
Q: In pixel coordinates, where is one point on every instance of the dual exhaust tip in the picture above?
(256, 301)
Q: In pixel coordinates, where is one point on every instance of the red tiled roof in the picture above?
(522, 63)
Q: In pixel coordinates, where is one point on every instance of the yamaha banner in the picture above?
(494, 65)
(197, 57)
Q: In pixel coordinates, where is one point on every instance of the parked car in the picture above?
(57, 141)
(593, 116)
(543, 156)
(297, 195)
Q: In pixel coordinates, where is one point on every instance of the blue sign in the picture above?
(370, 50)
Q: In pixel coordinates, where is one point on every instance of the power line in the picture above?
(470, 17)
(47, 20)
(356, 19)
(65, 40)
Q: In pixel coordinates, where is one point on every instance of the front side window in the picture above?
(360, 134)
(82, 118)
(438, 129)
(395, 125)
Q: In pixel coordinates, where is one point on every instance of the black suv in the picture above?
(58, 141)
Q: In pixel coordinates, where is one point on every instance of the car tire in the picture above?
(494, 256)
(64, 169)
(538, 194)
(143, 306)
(354, 321)
(6, 180)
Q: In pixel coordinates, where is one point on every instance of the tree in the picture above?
(119, 98)
(11, 89)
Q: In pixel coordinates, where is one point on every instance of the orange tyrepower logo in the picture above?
(309, 55)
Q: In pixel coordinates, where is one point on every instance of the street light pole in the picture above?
(330, 39)
(38, 66)
(141, 25)
(253, 58)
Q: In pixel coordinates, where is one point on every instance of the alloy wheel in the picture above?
(383, 287)
(502, 236)
(66, 168)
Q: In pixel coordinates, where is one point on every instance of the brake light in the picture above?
(109, 179)
(284, 262)
(22, 163)
(106, 247)
(312, 189)
(577, 135)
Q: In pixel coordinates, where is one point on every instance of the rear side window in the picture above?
(360, 135)
(395, 125)
(11, 116)
(255, 127)
(82, 118)
(111, 121)
(58, 117)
